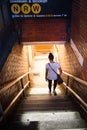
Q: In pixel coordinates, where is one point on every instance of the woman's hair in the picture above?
(50, 56)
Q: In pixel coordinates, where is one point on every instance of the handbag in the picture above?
(59, 79)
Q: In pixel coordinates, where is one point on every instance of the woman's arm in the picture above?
(46, 73)
(60, 71)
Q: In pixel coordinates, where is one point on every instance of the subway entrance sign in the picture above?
(40, 8)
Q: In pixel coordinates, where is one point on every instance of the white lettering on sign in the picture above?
(77, 53)
(28, 1)
(39, 1)
(18, 1)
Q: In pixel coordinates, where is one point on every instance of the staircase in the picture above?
(46, 112)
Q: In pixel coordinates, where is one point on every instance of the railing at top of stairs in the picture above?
(69, 88)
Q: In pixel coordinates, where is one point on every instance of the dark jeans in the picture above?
(50, 84)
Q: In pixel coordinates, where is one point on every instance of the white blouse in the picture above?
(51, 74)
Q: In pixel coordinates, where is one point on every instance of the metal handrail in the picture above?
(72, 91)
(5, 112)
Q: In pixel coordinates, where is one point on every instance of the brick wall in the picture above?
(68, 59)
(79, 31)
(43, 30)
(16, 64)
(78, 35)
(70, 64)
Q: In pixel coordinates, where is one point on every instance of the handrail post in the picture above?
(3, 121)
(1, 113)
(28, 77)
(67, 83)
(1, 110)
(22, 86)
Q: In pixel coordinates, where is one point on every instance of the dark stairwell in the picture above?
(40, 111)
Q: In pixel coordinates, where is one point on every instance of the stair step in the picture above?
(73, 129)
(45, 97)
(56, 101)
(48, 120)
(44, 108)
(45, 112)
(49, 125)
(47, 116)
(50, 104)
(46, 102)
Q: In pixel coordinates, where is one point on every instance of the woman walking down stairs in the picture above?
(39, 110)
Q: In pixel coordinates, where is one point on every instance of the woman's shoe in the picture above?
(50, 92)
(55, 93)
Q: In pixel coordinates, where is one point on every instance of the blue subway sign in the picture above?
(40, 8)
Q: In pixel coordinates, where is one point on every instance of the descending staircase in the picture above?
(46, 112)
